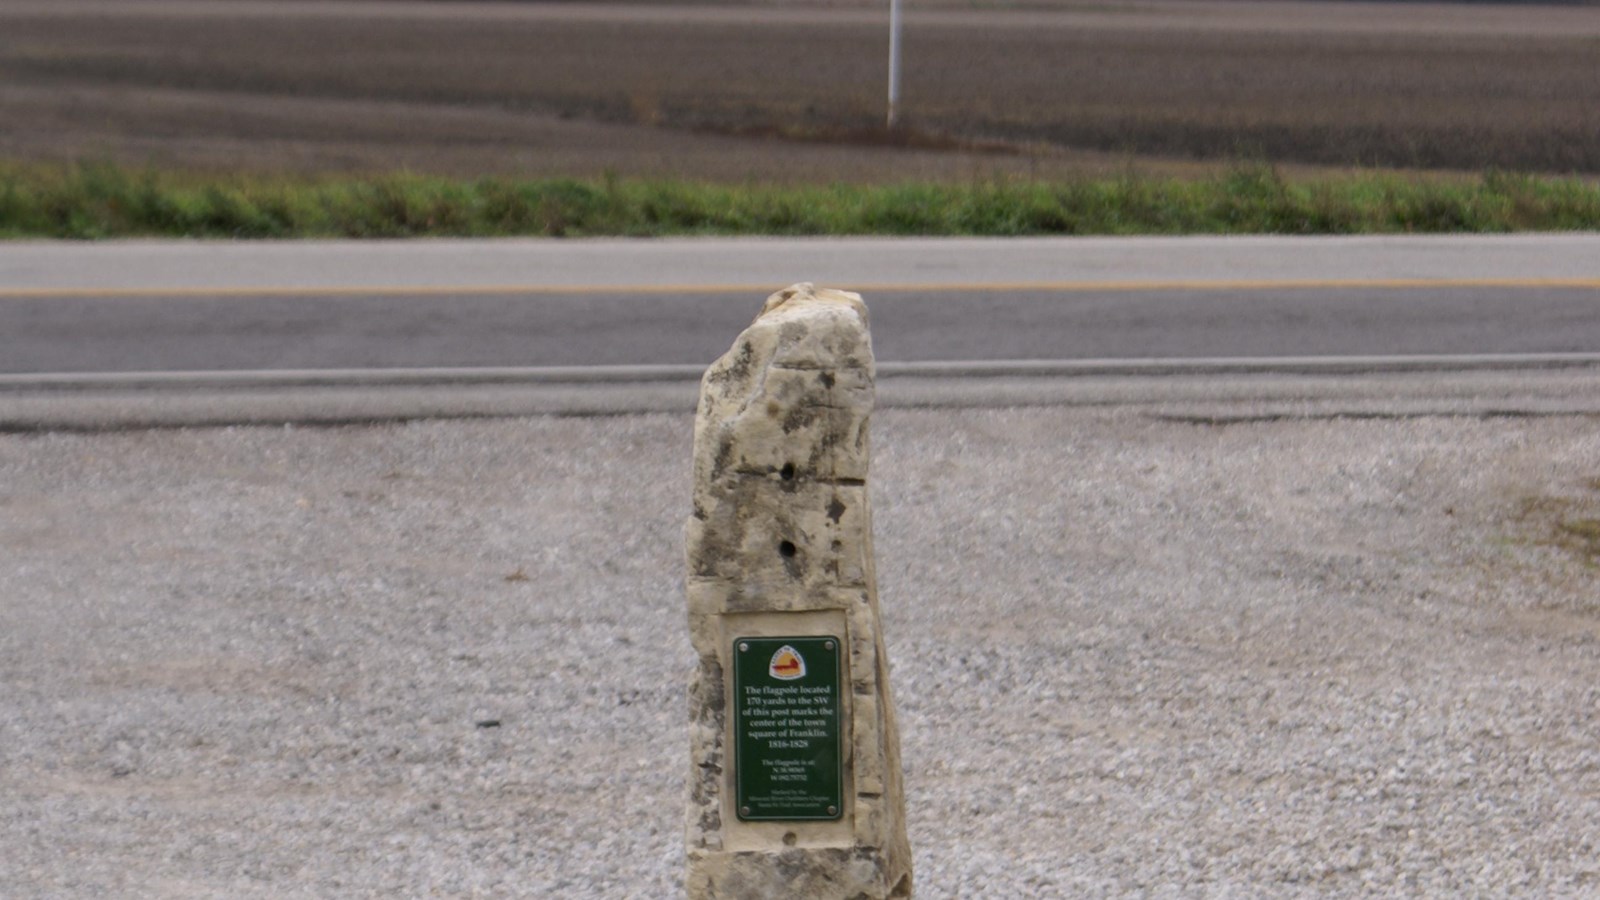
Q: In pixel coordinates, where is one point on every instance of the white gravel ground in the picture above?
(1132, 656)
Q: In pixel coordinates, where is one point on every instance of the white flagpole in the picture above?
(894, 62)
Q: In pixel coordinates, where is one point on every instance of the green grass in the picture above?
(102, 201)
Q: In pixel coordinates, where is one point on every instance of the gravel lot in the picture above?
(1133, 655)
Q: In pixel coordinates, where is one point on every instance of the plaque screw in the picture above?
(743, 647)
(832, 810)
(745, 810)
(828, 645)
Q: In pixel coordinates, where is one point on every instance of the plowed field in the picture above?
(737, 92)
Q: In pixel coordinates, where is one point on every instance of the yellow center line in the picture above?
(947, 287)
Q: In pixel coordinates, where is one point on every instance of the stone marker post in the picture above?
(795, 789)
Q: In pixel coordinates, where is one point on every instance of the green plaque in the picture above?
(787, 755)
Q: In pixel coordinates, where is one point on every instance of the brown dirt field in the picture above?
(740, 92)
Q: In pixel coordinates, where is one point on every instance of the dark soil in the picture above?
(796, 92)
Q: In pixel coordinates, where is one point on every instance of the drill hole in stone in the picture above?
(787, 472)
(786, 549)
(789, 838)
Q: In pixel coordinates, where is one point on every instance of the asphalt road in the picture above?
(448, 329)
(163, 306)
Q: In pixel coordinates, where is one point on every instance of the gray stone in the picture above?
(780, 543)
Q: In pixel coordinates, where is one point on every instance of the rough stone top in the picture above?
(797, 296)
(806, 327)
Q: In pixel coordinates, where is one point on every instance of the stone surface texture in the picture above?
(780, 541)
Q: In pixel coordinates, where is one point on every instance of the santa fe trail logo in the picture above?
(786, 664)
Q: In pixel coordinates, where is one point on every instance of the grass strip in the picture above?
(104, 201)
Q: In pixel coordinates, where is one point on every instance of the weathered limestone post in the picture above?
(795, 789)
